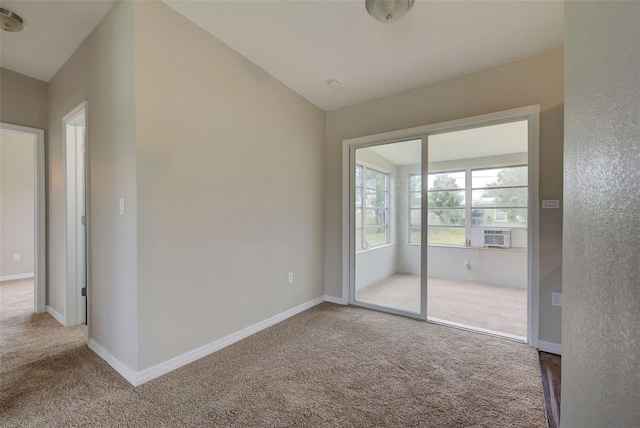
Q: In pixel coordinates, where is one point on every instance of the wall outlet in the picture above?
(121, 206)
(556, 299)
(467, 264)
(290, 277)
(16, 257)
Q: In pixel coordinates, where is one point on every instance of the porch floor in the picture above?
(489, 306)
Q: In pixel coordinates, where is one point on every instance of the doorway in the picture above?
(23, 209)
(460, 223)
(75, 132)
(477, 220)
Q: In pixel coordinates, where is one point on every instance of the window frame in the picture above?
(468, 203)
(364, 244)
(500, 208)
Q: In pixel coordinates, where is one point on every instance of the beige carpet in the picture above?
(329, 366)
(489, 306)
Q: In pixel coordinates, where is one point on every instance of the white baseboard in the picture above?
(191, 356)
(550, 347)
(336, 300)
(18, 276)
(125, 371)
(138, 378)
(55, 314)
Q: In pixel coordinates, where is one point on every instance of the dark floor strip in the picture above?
(551, 376)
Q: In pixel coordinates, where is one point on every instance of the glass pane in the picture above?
(358, 239)
(415, 217)
(446, 217)
(516, 197)
(376, 180)
(416, 200)
(414, 234)
(512, 176)
(377, 279)
(499, 218)
(358, 196)
(376, 236)
(415, 183)
(446, 199)
(446, 235)
(376, 198)
(376, 217)
(446, 180)
(358, 175)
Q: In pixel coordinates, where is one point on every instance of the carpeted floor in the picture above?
(329, 366)
(490, 306)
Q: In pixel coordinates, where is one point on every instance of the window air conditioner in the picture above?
(500, 238)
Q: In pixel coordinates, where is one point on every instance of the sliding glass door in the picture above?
(441, 223)
(386, 228)
(477, 202)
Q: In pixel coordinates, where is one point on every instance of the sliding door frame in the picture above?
(350, 155)
(529, 113)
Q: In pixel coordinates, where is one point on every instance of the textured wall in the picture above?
(601, 279)
(535, 80)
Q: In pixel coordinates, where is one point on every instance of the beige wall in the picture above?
(230, 189)
(536, 80)
(22, 100)
(601, 323)
(101, 71)
(16, 203)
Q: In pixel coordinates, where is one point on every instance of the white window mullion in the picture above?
(468, 194)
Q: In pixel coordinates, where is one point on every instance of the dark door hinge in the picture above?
(84, 291)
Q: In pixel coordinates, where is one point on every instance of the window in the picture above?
(415, 210)
(446, 193)
(372, 207)
(497, 197)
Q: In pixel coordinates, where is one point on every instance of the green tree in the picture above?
(513, 197)
(446, 198)
(376, 195)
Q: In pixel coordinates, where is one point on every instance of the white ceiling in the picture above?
(305, 43)
(493, 140)
(52, 32)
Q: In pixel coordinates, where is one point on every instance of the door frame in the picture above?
(73, 286)
(529, 113)
(422, 315)
(40, 224)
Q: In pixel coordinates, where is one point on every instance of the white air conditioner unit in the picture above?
(500, 238)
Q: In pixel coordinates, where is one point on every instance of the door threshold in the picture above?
(387, 310)
(488, 332)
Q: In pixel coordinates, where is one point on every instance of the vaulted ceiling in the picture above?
(305, 43)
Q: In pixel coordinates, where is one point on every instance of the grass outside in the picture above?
(441, 236)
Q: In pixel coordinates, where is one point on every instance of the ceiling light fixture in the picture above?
(10, 21)
(388, 11)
